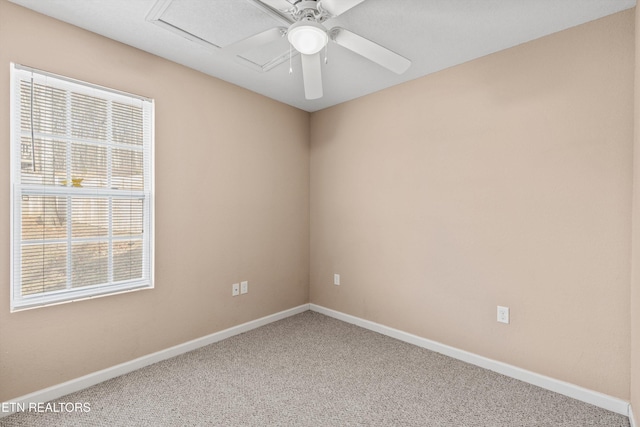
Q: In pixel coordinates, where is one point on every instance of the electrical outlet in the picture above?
(503, 314)
(244, 287)
(235, 289)
(336, 279)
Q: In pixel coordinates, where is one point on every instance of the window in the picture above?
(81, 190)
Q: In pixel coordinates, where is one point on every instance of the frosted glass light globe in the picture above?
(307, 37)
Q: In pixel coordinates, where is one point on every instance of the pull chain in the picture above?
(326, 56)
(290, 67)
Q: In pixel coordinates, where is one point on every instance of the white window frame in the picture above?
(22, 302)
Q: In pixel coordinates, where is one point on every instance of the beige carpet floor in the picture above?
(312, 370)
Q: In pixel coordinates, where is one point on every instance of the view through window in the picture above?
(82, 189)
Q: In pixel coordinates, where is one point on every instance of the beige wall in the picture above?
(232, 203)
(635, 260)
(503, 181)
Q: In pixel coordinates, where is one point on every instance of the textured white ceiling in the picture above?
(433, 34)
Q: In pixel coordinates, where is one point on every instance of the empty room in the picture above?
(319, 213)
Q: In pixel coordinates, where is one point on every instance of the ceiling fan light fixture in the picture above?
(307, 37)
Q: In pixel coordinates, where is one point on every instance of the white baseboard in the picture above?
(595, 398)
(589, 396)
(94, 378)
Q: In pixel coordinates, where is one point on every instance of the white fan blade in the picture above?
(312, 75)
(281, 5)
(338, 7)
(370, 50)
(256, 40)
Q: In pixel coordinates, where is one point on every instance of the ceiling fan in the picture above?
(308, 36)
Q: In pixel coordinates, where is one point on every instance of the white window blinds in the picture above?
(81, 190)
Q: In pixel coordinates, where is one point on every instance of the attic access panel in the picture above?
(216, 24)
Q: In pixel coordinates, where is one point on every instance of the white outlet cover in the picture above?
(503, 314)
(336, 279)
(244, 287)
(235, 289)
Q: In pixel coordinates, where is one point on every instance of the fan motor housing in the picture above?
(309, 9)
